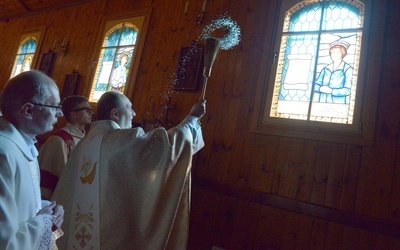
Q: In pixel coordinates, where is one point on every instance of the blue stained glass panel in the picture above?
(20, 59)
(113, 38)
(338, 15)
(109, 54)
(128, 37)
(306, 19)
(105, 69)
(28, 47)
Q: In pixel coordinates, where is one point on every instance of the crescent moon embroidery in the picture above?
(88, 177)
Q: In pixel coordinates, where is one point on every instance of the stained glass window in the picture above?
(115, 59)
(318, 61)
(25, 55)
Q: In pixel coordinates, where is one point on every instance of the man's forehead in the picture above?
(126, 101)
(129, 103)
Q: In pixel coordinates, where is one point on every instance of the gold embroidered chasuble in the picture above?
(144, 187)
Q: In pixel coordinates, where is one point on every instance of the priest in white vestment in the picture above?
(123, 188)
(30, 104)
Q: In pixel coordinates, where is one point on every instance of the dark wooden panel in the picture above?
(363, 222)
(13, 9)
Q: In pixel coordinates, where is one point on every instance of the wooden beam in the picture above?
(38, 12)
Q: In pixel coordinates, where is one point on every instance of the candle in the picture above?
(54, 44)
(204, 6)
(186, 7)
(63, 43)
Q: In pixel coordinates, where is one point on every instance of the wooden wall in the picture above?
(250, 191)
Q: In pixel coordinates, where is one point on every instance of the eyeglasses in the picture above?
(45, 105)
(89, 110)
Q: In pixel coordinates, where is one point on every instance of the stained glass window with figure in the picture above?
(115, 59)
(25, 55)
(316, 76)
(319, 79)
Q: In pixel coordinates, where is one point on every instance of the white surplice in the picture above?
(20, 226)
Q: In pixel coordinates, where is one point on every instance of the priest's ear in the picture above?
(114, 114)
(27, 110)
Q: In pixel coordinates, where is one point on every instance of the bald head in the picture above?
(107, 102)
(114, 105)
(29, 86)
(31, 102)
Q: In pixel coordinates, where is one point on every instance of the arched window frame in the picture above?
(360, 132)
(22, 55)
(138, 21)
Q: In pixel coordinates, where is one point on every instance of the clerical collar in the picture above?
(74, 131)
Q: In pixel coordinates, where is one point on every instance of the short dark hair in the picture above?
(70, 103)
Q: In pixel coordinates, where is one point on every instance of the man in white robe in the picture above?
(127, 189)
(53, 154)
(30, 106)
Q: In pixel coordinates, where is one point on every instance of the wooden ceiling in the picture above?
(12, 9)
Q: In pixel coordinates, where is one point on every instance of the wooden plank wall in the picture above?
(250, 191)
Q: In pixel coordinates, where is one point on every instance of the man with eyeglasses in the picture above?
(30, 105)
(53, 154)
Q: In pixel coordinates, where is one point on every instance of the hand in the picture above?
(48, 209)
(57, 211)
(59, 214)
(199, 108)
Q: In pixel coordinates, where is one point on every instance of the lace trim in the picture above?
(48, 241)
(33, 170)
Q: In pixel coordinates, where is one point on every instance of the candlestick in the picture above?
(203, 9)
(186, 7)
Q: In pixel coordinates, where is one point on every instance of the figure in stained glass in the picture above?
(333, 84)
(118, 78)
(317, 69)
(25, 55)
(27, 64)
(115, 59)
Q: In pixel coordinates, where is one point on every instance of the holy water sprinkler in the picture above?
(213, 45)
(211, 49)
